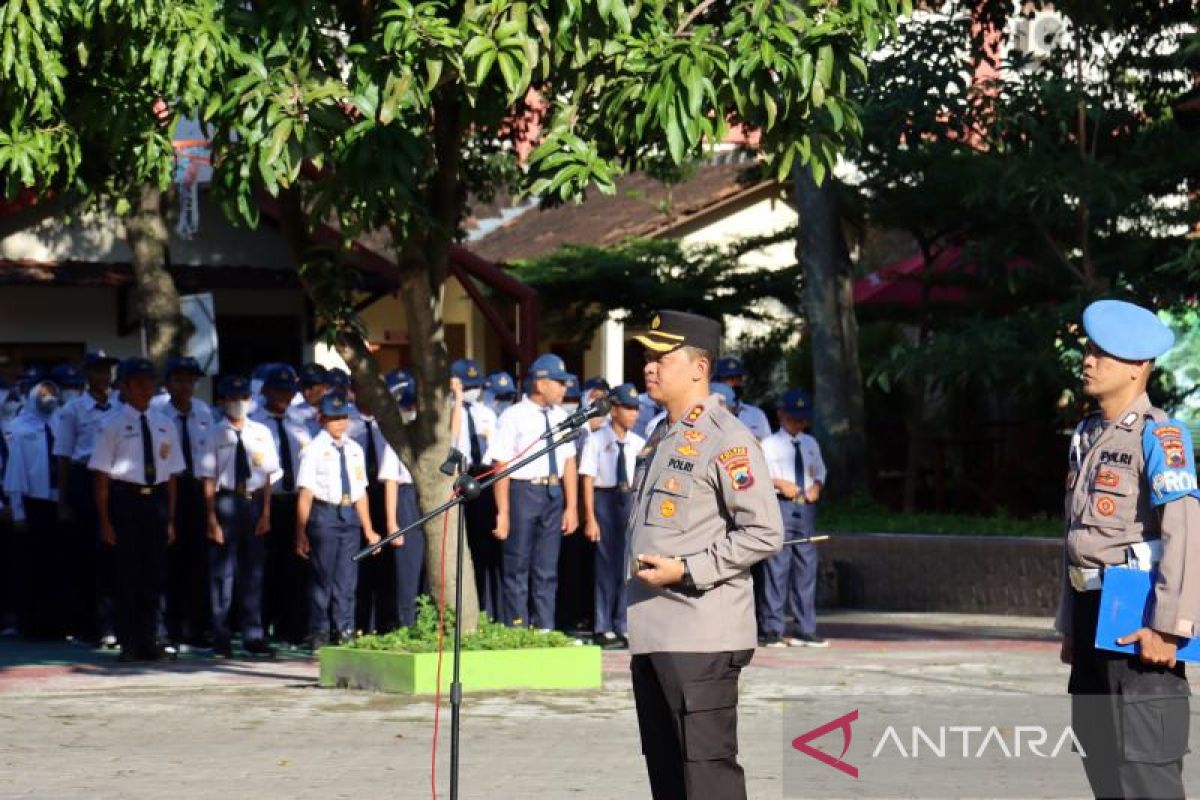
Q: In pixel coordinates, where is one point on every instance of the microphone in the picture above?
(598, 408)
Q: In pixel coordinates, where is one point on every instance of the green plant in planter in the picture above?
(422, 635)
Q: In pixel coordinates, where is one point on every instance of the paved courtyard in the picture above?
(74, 723)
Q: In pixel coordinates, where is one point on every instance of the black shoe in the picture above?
(608, 641)
(345, 638)
(223, 649)
(807, 640)
(317, 641)
(258, 647)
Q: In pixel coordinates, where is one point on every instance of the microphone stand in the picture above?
(466, 489)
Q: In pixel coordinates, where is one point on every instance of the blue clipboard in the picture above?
(1124, 600)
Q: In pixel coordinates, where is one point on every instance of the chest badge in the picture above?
(672, 485)
(694, 436)
(667, 508)
(1108, 478)
(1106, 506)
(687, 450)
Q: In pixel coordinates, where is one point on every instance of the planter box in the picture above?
(416, 673)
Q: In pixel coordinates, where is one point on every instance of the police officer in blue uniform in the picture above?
(332, 518)
(1131, 501)
(135, 460)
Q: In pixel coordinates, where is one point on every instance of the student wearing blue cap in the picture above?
(332, 518)
(731, 372)
(607, 465)
(31, 481)
(78, 423)
(1131, 501)
(535, 506)
(314, 383)
(237, 470)
(472, 426)
(285, 577)
(500, 391)
(403, 387)
(188, 613)
(789, 577)
(135, 460)
(408, 552)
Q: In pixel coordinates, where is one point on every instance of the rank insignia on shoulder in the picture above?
(1129, 419)
(693, 416)
(687, 450)
(695, 437)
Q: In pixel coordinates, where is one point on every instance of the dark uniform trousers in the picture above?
(189, 614)
(1131, 718)
(487, 552)
(333, 540)
(531, 553)
(139, 519)
(285, 581)
(687, 716)
(575, 600)
(613, 508)
(409, 558)
(237, 565)
(43, 609)
(85, 554)
(789, 578)
(375, 595)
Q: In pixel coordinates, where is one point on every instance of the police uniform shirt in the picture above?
(220, 460)
(703, 494)
(1129, 481)
(780, 450)
(389, 467)
(484, 420)
(298, 434)
(754, 419)
(118, 448)
(27, 473)
(517, 435)
(321, 471)
(78, 423)
(199, 422)
(600, 452)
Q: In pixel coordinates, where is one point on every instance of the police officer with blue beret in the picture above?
(730, 371)
(135, 460)
(1131, 501)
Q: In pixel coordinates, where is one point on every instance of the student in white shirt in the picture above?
(536, 505)
(237, 470)
(332, 518)
(789, 578)
(607, 467)
(729, 370)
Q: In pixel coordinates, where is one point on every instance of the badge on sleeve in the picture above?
(736, 463)
(1170, 469)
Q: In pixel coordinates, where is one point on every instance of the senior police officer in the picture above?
(704, 513)
(1132, 500)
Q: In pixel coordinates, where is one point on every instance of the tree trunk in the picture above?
(833, 328)
(157, 298)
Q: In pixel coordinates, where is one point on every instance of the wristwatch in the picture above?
(686, 581)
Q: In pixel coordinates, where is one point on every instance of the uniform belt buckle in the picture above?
(145, 490)
(345, 500)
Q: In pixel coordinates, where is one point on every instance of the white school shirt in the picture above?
(78, 423)
(389, 467)
(320, 469)
(299, 436)
(27, 473)
(754, 419)
(517, 434)
(485, 428)
(599, 457)
(118, 448)
(199, 421)
(781, 458)
(220, 460)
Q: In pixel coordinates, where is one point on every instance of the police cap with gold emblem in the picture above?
(625, 396)
(671, 330)
(335, 404)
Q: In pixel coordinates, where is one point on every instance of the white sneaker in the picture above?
(109, 642)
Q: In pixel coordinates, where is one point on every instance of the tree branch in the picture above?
(692, 15)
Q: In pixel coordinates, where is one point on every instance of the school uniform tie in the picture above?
(345, 483)
(50, 465)
(185, 439)
(149, 473)
(476, 453)
(241, 466)
(798, 465)
(622, 470)
(553, 452)
(372, 456)
(285, 455)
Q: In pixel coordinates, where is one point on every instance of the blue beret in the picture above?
(280, 376)
(549, 366)
(66, 375)
(135, 368)
(625, 395)
(1126, 330)
(728, 367)
(182, 364)
(233, 386)
(796, 403)
(467, 371)
(725, 393)
(572, 383)
(501, 384)
(335, 404)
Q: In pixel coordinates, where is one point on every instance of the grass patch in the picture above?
(859, 515)
(422, 637)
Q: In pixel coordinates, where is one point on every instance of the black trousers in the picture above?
(43, 609)
(375, 597)
(285, 582)
(1131, 718)
(188, 616)
(82, 549)
(487, 552)
(687, 716)
(139, 520)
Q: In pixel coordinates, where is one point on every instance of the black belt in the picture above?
(137, 488)
(245, 493)
(613, 489)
